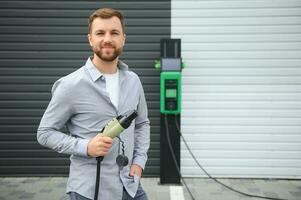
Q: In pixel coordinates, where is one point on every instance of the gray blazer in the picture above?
(80, 102)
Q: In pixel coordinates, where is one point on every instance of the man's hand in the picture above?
(99, 146)
(136, 169)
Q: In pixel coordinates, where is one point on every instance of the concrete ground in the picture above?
(53, 188)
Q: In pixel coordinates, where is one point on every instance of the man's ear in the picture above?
(89, 39)
(124, 39)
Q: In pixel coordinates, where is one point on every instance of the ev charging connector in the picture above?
(113, 129)
(171, 66)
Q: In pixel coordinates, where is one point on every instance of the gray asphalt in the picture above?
(53, 188)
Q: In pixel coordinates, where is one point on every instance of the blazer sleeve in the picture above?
(58, 112)
(142, 132)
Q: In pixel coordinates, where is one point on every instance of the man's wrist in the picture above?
(140, 162)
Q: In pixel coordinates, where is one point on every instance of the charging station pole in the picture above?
(170, 108)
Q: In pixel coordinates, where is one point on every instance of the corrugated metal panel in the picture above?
(241, 88)
(40, 41)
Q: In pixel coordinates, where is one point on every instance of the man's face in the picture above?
(107, 38)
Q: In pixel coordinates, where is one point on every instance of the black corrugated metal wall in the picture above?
(40, 41)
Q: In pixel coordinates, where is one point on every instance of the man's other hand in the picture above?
(136, 169)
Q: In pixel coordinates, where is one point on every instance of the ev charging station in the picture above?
(170, 109)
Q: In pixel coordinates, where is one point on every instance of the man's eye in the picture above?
(99, 33)
(115, 33)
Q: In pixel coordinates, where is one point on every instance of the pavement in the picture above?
(53, 188)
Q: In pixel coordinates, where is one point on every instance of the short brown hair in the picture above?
(106, 13)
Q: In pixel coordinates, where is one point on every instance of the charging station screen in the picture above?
(171, 64)
(171, 93)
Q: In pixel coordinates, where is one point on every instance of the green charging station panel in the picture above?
(170, 92)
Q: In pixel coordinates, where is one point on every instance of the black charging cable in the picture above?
(99, 159)
(194, 158)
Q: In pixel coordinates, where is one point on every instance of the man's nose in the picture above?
(107, 37)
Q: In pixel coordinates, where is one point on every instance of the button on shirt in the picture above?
(81, 102)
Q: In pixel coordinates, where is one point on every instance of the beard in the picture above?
(106, 55)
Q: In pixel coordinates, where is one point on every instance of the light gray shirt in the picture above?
(80, 101)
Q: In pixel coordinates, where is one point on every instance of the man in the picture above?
(85, 101)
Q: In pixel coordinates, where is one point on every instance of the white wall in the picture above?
(241, 101)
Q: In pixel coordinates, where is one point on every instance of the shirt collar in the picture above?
(96, 74)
